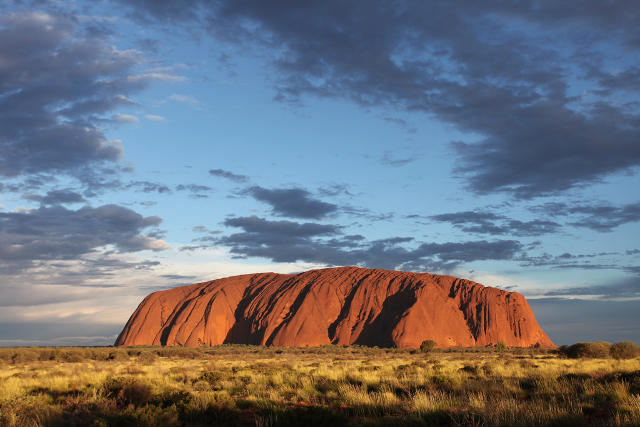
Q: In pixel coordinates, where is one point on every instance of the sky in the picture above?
(151, 144)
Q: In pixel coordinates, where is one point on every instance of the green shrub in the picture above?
(427, 345)
(624, 350)
(501, 346)
(587, 350)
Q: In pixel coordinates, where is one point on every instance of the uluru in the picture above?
(341, 305)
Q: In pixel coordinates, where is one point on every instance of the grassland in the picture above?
(333, 386)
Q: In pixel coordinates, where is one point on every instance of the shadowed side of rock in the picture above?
(342, 305)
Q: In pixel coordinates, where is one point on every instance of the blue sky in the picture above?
(150, 144)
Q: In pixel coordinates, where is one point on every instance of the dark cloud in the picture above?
(147, 187)
(501, 71)
(59, 83)
(177, 277)
(494, 224)
(58, 233)
(292, 202)
(601, 216)
(280, 229)
(56, 197)
(629, 288)
(58, 333)
(221, 173)
(334, 190)
(390, 159)
(195, 190)
(566, 323)
(604, 217)
(588, 261)
(288, 241)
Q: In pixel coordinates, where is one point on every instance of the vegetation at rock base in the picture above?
(329, 385)
(427, 345)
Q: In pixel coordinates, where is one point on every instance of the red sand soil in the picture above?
(342, 305)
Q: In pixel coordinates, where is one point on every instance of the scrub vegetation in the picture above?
(331, 385)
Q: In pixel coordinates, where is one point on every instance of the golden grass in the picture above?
(242, 385)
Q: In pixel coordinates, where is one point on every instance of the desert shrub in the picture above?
(6, 354)
(586, 350)
(118, 355)
(311, 416)
(213, 378)
(176, 398)
(624, 350)
(427, 345)
(73, 356)
(147, 357)
(501, 346)
(469, 369)
(47, 354)
(127, 391)
(25, 356)
(487, 369)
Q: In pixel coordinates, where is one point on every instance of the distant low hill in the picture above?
(342, 305)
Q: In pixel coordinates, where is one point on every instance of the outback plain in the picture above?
(237, 385)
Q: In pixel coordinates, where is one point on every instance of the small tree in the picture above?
(501, 346)
(624, 350)
(427, 345)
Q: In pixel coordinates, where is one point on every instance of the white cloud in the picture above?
(186, 99)
(163, 77)
(125, 118)
(155, 118)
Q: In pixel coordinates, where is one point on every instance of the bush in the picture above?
(118, 355)
(501, 346)
(624, 350)
(147, 357)
(25, 356)
(587, 350)
(427, 346)
(127, 391)
(73, 356)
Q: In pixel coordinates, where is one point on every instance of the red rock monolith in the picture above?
(342, 305)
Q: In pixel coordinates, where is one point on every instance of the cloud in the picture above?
(564, 320)
(494, 224)
(584, 261)
(189, 100)
(58, 333)
(155, 118)
(58, 233)
(388, 158)
(627, 288)
(57, 197)
(290, 241)
(292, 202)
(195, 190)
(125, 118)
(601, 217)
(510, 87)
(58, 82)
(221, 173)
(148, 187)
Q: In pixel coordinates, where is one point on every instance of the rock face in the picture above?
(344, 305)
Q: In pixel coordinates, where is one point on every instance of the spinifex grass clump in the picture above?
(329, 385)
